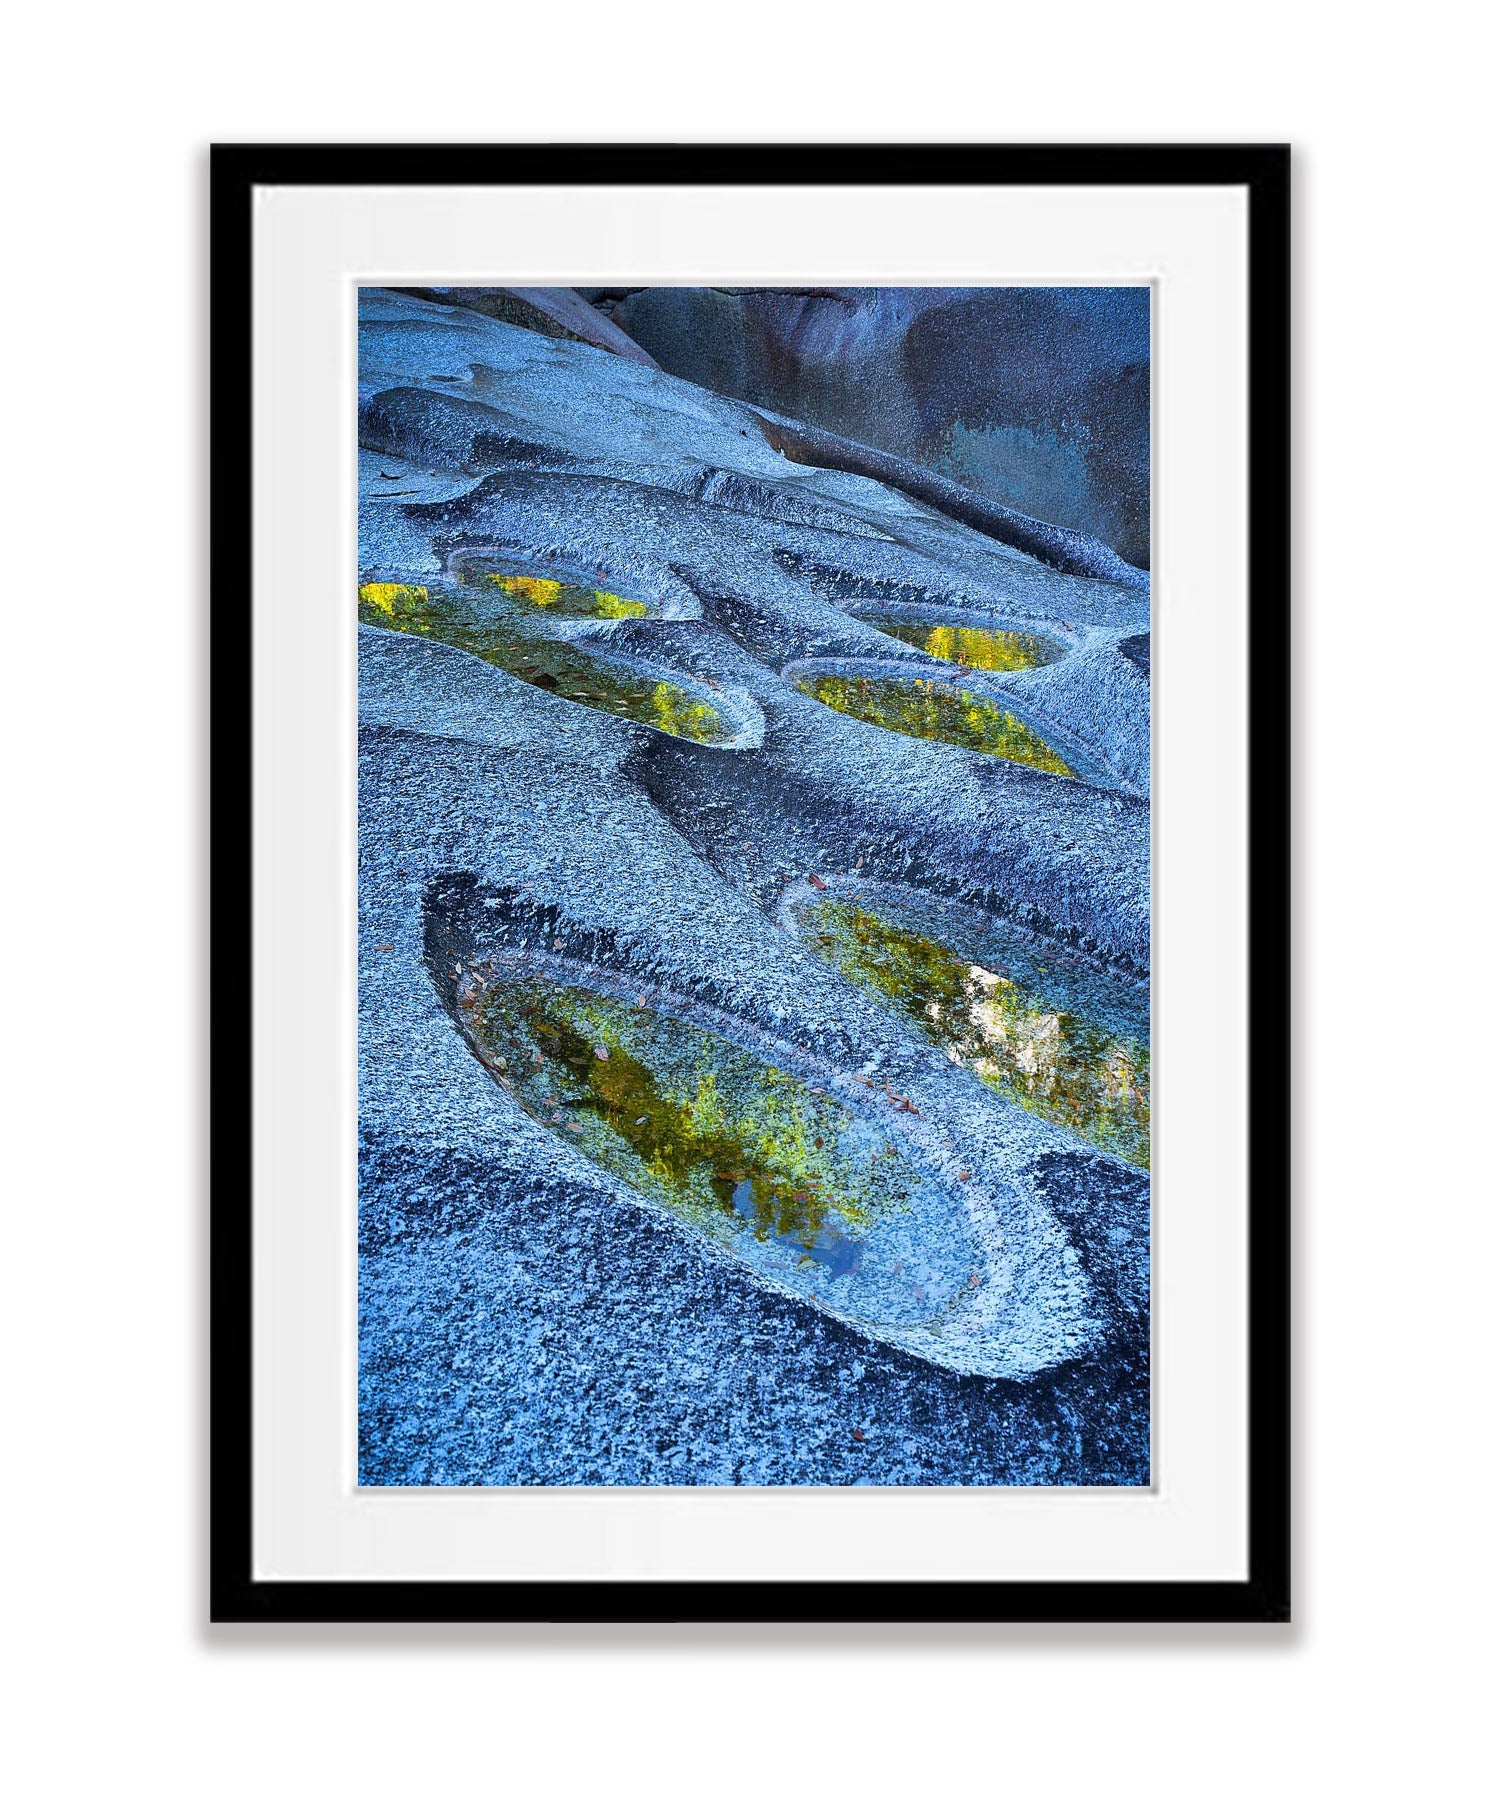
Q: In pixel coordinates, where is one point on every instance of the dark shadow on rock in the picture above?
(1106, 1207)
(1035, 398)
(1138, 650)
(1062, 549)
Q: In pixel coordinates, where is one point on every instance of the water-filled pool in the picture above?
(937, 710)
(1037, 1023)
(771, 1167)
(973, 646)
(507, 625)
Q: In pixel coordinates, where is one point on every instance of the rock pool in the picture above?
(773, 1169)
(502, 618)
(973, 646)
(1037, 1023)
(936, 710)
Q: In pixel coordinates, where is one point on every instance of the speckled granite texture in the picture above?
(525, 1316)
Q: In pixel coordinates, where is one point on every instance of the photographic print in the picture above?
(754, 886)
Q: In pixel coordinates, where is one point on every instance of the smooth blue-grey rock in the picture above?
(1038, 398)
(556, 312)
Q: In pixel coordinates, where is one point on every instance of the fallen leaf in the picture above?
(601, 1053)
(963, 1174)
(385, 946)
(817, 882)
(859, 1436)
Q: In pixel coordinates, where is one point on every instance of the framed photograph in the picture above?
(750, 883)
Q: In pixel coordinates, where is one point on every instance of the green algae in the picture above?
(936, 710)
(1050, 1037)
(508, 629)
(757, 1160)
(974, 646)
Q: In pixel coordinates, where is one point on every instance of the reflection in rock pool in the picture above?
(933, 709)
(975, 646)
(763, 1164)
(505, 625)
(1039, 1025)
(560, 598)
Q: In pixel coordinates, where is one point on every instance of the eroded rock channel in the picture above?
(764, 1164)
(507, 619)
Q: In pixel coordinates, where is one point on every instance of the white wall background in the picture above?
(117, 1686)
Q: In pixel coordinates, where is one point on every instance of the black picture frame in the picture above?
(1263, 171)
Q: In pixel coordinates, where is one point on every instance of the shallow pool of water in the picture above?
(974, 646)
(1039, 1025)
(562, 599)
(509, 630)
(766, 1165)
(937, 710)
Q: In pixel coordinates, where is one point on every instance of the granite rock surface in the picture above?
(525, 1315)
(1036, 397)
